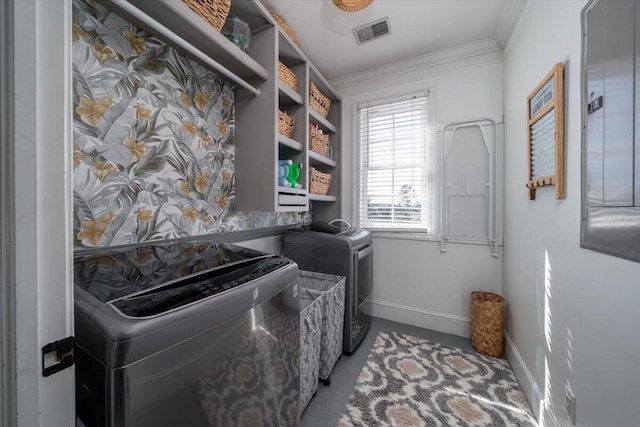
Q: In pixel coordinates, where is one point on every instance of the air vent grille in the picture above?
(372, 31)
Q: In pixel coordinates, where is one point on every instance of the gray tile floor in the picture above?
(329, 403)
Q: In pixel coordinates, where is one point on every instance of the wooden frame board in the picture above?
(545, 133)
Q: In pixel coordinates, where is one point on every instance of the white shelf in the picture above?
(179, 18)
(290, 143)
(288, 190)
(290, 96)
(321, 198)
(317, 159)
(324, 123)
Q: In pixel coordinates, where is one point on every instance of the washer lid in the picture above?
(347, 238)
(117, 274)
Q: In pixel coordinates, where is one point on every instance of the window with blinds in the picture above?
(395, 165)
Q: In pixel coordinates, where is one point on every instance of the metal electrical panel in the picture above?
(611, 128)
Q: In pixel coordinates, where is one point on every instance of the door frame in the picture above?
(37, 208)
(7, 315)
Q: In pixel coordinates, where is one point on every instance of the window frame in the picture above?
(431, 173)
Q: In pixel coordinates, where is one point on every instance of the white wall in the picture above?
(571, 313)
(414, 282)
(42, 274)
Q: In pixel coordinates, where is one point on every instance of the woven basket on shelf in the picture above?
(213, 11)
(487, 323)
(285, 124)
(319, 182)
(318, 142)
(287, 76)
(287, 29)
(318, 101)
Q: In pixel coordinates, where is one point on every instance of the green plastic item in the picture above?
(293, 175)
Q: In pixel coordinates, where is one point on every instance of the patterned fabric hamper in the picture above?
(310, 324)
(331, 288)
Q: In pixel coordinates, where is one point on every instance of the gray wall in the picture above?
(571, 313)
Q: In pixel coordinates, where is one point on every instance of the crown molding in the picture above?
(507, 22)
(418, 63)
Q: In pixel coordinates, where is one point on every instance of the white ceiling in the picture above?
(418, 27)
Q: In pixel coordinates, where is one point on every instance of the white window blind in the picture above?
(396, 158)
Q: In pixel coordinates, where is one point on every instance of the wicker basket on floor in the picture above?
(287, 76)
(487, 323)
(285, 27)
(285, 124)
(318, 101)
(319, 182)
(318, 142)
(213, 11)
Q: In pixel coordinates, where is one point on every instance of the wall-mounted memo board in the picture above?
(545, 131)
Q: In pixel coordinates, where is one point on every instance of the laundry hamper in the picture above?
(310, 332)
(487, 323)
(331, 289)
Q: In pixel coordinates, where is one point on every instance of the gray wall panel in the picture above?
(618, 55)
(595, 121)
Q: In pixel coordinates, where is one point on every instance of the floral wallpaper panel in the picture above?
(153, 147)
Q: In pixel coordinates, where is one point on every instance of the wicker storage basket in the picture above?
(318, 142)
(285, 124)
(287, 29)
(318, 101)
(287, 76)
(213, 11)
(319, 182)
(487, 323)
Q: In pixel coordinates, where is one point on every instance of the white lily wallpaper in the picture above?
(153, 148)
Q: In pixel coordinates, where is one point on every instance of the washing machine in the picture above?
(191, 333)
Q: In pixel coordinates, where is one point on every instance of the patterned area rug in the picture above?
(408, 381)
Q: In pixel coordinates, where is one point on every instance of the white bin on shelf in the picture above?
(330, 289)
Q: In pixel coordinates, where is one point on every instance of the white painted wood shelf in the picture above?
(322, 198)
(316, 159)
(324, 123)
(290, 143)
(179, 18)
(288, 96)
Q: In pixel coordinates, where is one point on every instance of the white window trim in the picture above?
(431, 234)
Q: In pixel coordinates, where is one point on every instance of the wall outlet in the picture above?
(570, 404)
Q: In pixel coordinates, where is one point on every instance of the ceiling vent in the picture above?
(372, 31)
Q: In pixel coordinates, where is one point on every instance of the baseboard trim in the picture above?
(437, 321)
(528, 384)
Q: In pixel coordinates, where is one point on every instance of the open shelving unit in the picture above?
(258, 144)
(331, 126)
